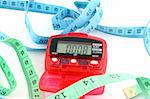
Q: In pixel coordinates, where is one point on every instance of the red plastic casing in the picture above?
(58, 76)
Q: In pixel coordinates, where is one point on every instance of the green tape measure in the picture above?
(86, 85)
(27, 67)
(10, 78)
(74, 91)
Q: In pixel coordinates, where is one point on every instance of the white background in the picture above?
(125, 55)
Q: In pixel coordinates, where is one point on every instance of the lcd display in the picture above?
(70, 47)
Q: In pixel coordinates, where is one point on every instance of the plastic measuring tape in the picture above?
(77, 90)
(123, 31)
(86, 21)
(9, 76)
(85, 85)
(92, 13)
(27, 67)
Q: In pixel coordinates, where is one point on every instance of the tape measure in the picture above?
(91, 14)
(86, 21)
(77, 90)
(136, 91)
(27, 67)
(92, 9)
(9, 76)
(132, 91)
(85, 85)
(3, 36)
(89, 25)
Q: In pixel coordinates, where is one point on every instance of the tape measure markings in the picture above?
(90, 83)
(27, 67)
(133, 32)
(127, 30)
(137, 32)
(144, 84)
(79, 88)
(10, 78)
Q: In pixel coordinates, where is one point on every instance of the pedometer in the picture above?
(72, 57)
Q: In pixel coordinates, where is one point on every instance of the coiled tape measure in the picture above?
(90, 13)
(86, 21)
(71, 57)
(27, 67)
(78, 89)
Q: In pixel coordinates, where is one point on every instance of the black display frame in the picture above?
(54, 41)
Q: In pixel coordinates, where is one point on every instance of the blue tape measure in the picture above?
(84, 22)
(78, 21)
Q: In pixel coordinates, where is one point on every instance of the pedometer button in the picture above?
(83, 62)
(64, 61)
(73, 61)
(94, 62)
(54, 60)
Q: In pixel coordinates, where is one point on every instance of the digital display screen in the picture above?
(76, 48)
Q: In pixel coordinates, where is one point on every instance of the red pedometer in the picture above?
(72, 57)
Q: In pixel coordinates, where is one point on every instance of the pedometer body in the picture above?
(72, 57)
